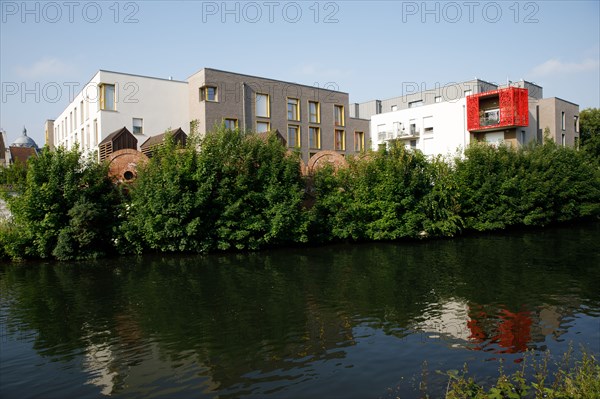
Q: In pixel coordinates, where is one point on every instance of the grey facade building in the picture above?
(311, 119)
(561, 118)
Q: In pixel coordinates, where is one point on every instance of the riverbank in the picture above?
(241, 192)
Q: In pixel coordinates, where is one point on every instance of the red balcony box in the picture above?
(497, 109)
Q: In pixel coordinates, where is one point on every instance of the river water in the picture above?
(347, 321)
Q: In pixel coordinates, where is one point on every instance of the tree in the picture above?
(66, 209)
(589, 128)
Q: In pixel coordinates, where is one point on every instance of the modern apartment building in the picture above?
(310, 118)
(113, 100)
(447, 119)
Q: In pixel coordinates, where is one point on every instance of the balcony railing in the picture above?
(489, 121)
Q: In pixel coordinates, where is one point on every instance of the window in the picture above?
(262, 105)
(338, 113)
(563, 121)
(71, 121)
(413, 144)
(314, 137)
(394, 108)
(75, 118)
(263, 127)
(576, 123)
(522, 136)
(468, 92)
(230, 123)
(138, 126)
(95, 133)
(293, 136)
(82, 111)
(359, 141)
(563, 140)
(292, 109)
(208, 93)
(314, 112)
(107, 97)
(414, 104)
(340, 140)
(438, 99)
(87, 109)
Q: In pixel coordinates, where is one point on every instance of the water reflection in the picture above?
(332, 321)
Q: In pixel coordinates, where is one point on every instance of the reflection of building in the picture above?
(510, 331)
(442, 120)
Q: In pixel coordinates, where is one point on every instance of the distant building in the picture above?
(23, 148)
(4, 153)
(49, 133)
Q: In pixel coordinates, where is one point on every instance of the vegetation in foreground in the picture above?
(573, 380)
(241, 192)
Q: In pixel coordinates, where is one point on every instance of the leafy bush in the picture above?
(65, 210)
(239, 191)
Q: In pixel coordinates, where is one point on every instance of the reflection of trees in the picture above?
(248, 319)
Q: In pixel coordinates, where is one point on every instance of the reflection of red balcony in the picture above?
(497, 109)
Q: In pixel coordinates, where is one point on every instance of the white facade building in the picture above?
(434, 129)
(146, 106)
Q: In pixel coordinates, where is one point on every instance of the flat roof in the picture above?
(271, 79)
(139, 76)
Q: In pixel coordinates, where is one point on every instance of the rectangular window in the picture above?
(415, 104)
(339, 141)
(293, 136)
(95, 133)
(576, 123)
(293, 110)
(438, 99)
(107, 97)
(82, 111)
(138, 126)
(314, 112)
(230, 123)
(262, 105)
(394, 108)
(522, 137)
(338, 112)
(87, 109)
(75, 118)
(208, 93)
(563, 140)
(413, 144)
(359, 141)
(314, 137)
(563, 121)
(263, 127)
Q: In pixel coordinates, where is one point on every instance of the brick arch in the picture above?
(323, 158)
(122, 164)
(303, 167)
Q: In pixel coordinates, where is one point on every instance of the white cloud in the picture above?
(44, 68)
(557, 67)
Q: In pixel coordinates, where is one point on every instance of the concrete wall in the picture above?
(448, 120)
(550, 112)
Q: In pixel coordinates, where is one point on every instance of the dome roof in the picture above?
(24, 141)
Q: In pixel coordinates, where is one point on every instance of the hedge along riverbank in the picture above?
(243, 192)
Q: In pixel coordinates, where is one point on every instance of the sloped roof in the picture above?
(114, 135)
(160, 138)
(22, 154)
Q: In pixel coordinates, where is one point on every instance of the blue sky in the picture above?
(369, 49)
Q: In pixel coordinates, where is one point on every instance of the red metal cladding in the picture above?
(513, 105)
(473, 112)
